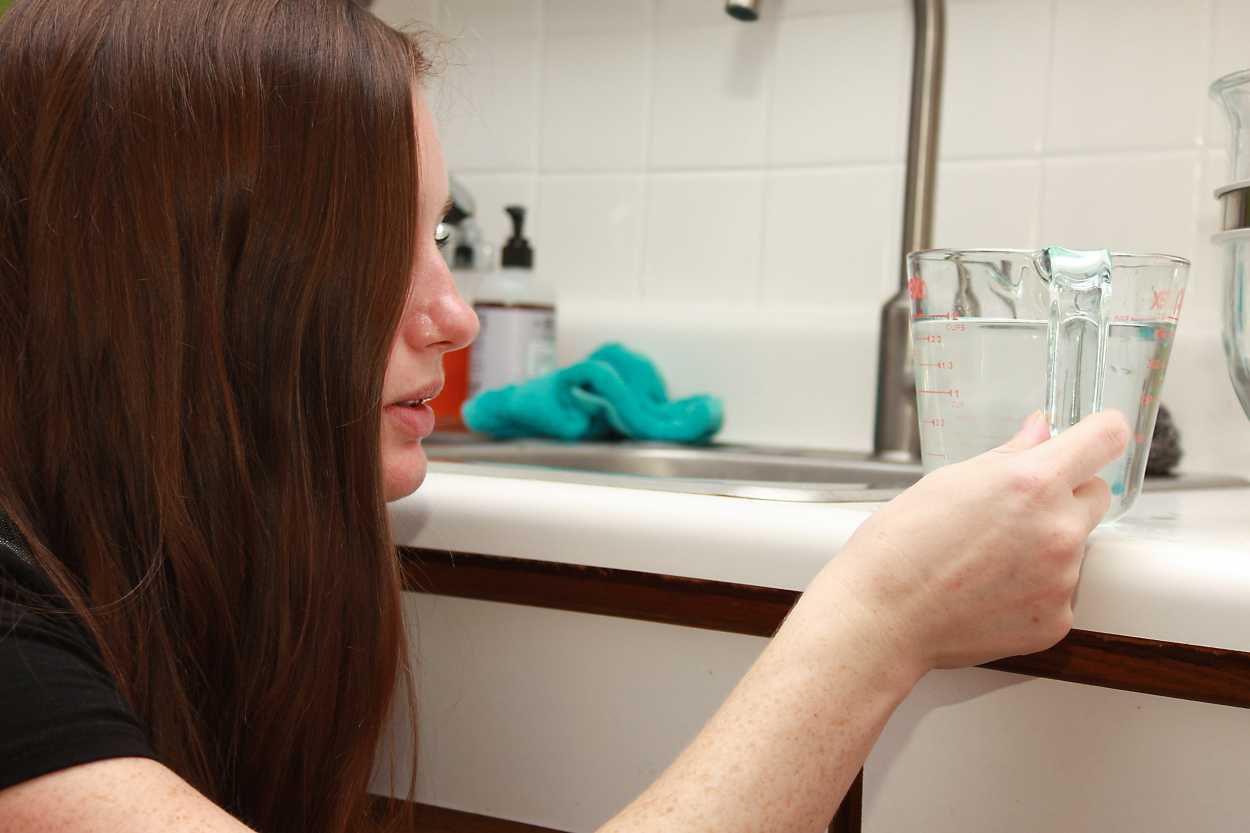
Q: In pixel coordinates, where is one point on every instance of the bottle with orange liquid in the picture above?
(468, 255)
(455, 390)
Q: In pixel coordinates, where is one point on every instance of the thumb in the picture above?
(1035, 431)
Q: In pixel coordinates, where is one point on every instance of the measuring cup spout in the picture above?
(1080, 290)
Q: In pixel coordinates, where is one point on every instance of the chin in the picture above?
(403, 470)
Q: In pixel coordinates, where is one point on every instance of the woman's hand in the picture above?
(980, 559)
(976, 561)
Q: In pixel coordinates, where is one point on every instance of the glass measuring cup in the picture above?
(998, 334)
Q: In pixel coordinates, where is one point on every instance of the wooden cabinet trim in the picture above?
(1170, 669)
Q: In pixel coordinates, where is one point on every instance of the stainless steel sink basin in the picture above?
(659, 460)
(738, 471)
(804, 475)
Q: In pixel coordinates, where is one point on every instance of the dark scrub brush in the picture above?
(1165, 447)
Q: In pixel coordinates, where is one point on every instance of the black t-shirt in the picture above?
(59, 706)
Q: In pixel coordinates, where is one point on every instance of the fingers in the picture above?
(1033, 432)
(1081, 451)
(1095, 496)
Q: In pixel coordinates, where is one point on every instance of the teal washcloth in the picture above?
(613, 393)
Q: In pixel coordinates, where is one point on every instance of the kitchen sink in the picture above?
(764, 473)
(737, 471)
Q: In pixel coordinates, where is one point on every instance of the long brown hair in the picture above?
(207, 220)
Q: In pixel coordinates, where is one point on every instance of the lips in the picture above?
(409, 412)
(417, 397)
(414, 420)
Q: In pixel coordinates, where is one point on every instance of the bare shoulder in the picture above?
(132, 794)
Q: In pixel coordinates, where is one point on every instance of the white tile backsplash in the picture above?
(674, 13)
(1143, 203)
(589, 234)
(800, 8)
(796, 376)
(509, 18)
(487, 99)
(840, 89)
(831, 239)
(567, 16)
(708, 105)
(994, 92)
(988, 204)
(1127, 74)
(727, 196)
(703, 235)
(596, 94)
(1230, 50)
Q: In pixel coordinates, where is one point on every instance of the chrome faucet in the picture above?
(747, 10)
(896, 433)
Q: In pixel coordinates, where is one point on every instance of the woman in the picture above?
(222, 306)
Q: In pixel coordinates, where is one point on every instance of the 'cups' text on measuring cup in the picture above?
(998, 334)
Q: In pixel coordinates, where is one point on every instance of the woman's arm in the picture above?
(782, 750)
(134, 795)
(976, 562)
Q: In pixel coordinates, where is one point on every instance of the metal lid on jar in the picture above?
(1235, 201)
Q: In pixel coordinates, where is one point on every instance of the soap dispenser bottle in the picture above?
(517, 313)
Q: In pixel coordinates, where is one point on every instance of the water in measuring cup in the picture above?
(978, 379)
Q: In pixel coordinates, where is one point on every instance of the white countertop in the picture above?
(1177, 568)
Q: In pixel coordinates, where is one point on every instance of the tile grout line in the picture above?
(1203, 155)
(644, 235)
(766, 170)
(1200, 248)
(1047, 109)
(540, 108)
(1140, 154)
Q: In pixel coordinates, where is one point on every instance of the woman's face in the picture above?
(435, 320)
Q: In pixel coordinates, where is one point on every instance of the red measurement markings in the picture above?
(936, 423)
(932, 316)
(1180, 299)
(956, 328)
(953, 393)
(928, 339)
(938, 365)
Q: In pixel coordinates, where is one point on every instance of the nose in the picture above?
(438, 318)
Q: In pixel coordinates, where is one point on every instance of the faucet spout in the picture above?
(748, 10)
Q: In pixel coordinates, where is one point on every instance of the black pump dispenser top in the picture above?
(517, 251)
